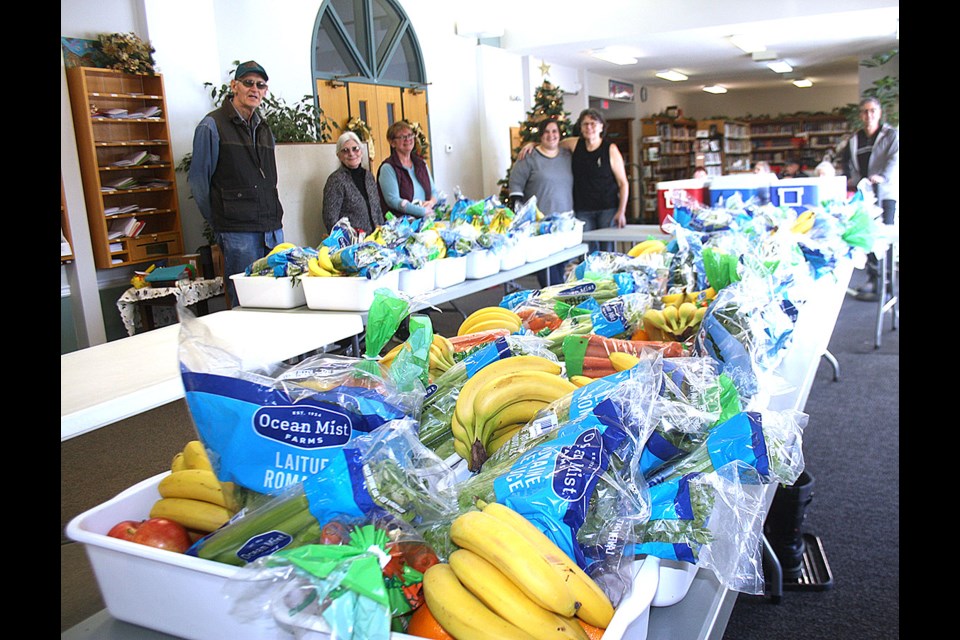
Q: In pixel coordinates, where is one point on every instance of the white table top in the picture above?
(109, 382)
(630, 233)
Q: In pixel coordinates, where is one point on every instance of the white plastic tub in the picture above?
(417, 281)
(345, 293)
(512, 257)
(539, 247)
(166, 591)
(267, 292)
(450, 271)
(481, 264)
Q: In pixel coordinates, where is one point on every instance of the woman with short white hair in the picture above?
(351, 191)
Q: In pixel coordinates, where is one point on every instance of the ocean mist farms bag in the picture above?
(272, 426)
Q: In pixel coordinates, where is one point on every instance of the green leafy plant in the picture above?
(126, 52)
(885, 89)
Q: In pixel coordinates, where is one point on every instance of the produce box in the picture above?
(266, 292)
(346, 293)
(671, 191)
(539, 247)
(802, 193)
(451, 271)
(166, 591)
(417, 281)
(482, 263)
(512, 257)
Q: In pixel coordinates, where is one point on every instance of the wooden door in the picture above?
(415, 110)
(379, 106)
(332, 98)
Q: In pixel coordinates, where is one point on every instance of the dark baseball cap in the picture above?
(250, 67)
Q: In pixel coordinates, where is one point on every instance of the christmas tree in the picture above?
(547, 103)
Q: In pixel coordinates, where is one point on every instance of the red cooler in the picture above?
(678, 191)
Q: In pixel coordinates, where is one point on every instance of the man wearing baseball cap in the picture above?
(233, 174)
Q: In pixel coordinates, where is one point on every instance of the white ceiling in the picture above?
(824, 40)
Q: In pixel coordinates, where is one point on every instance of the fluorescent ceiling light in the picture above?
(671, 75)
(763, 56)
(616, 55)
(748, 44)
(780, 66)
(803, 83)
(715, 89)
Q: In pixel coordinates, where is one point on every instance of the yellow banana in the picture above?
(623, 361)
(654, 318)
(673, 298)
(595, 607)
(516, 557)
(505, 598)
(499, 438)
(804, 222)
(487, 324)
(464, 406)
(193, 514)
(314, 269)
(671, 317)
(581, 381)
(196, 484)
(195, 455)
(487, 315)
(323, 258)
(686, 313)
(517, 412)
(178, 462)
(462, 614)
(647, 246)
(283, 246)
(516, 386)
(462, 450)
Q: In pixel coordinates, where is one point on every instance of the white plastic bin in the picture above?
(481, 264)
(266, 292)
(451, 271)
(345, 293)
(416, 281)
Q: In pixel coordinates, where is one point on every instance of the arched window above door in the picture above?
(369, 40)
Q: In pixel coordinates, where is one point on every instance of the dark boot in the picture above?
(783, 527)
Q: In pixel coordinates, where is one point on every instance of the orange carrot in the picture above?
(470, 340)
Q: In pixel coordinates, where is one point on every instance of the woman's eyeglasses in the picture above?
(350, 149)
(259, 84)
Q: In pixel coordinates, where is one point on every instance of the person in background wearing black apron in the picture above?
(873, 154)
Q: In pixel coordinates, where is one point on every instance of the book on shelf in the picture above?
(116, 246)
(112, 211)
(146, 112)
(112, 113)
(138, 158)
(122, 183)
(129, 227)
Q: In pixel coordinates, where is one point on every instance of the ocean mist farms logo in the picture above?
(304, 427)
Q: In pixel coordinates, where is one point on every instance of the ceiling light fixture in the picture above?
(803, 83)
(748, 44)
(671, 75)
(716, 88)
(616, 55)
(780, 66)
(763, 56)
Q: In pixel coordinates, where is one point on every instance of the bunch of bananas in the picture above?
(509, 580)
(673, 322)
(647, 246)
(486, 318)
(441, 355)
(322, 266)
(192, 495)
(804, 222)
(501, 220)
(499, 400)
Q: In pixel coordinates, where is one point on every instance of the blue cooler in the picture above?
(801, 194)
(747, 185)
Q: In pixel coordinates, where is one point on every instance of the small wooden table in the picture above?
(192, 293)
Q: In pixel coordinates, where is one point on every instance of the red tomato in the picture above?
(154, 532)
